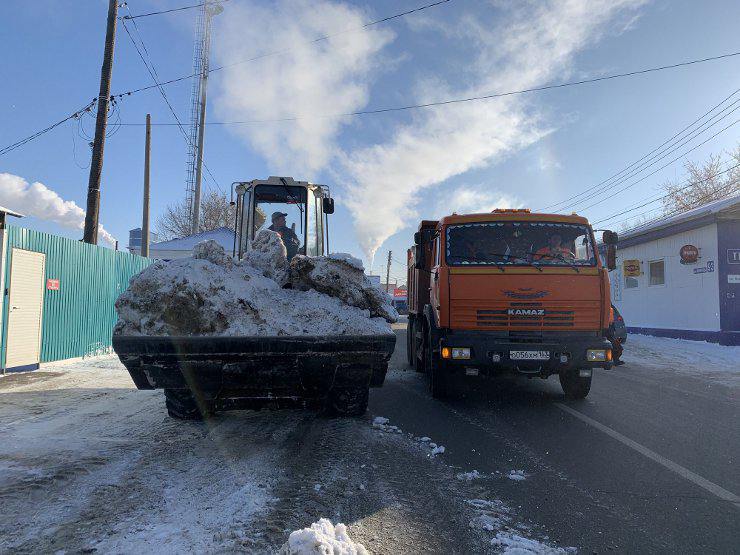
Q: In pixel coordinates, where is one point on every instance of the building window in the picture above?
(657, 272)
(630, 282)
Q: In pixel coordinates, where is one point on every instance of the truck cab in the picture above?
(304, 208)
(509, 291)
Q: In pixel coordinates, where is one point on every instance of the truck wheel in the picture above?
(410, 341)
(574, 386)
(436, 370)
(350, 401)
(182, 405)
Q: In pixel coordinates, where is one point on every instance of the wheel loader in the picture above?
(203, 374)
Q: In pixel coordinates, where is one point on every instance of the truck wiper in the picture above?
(561, 259)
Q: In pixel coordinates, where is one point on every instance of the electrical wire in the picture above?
(608, 181)
(465, 99)
(151, 69)
(139, 16)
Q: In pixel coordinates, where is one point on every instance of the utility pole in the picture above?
(145, 214)
(96, 165)
(388, 272)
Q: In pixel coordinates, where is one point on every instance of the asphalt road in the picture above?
(649, 462)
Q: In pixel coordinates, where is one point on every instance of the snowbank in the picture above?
(211, 294)
(322, 538)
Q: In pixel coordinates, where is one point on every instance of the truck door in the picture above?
(434, 278)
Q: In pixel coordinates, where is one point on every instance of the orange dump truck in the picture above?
(509, 291)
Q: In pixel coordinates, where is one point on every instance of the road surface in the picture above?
(647, 463)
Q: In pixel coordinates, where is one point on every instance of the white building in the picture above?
(680, 276)
(183, 246)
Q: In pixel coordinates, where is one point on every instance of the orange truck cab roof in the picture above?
(517, 214)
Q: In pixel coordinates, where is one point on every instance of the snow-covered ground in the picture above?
(719, 363)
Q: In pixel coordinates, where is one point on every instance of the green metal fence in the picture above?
(78, 318)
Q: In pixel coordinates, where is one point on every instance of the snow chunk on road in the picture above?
(514, 544)
(322, 538)
(438, 450)
(468, 476)
(381, 423)
(211, 294)
(516, 475)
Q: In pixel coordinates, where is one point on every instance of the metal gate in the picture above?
(25, 309)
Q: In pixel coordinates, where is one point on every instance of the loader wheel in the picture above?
(436, 370)
(182, 405)
(574, 386)
(350, 401)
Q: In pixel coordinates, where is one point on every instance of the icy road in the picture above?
(649, 462)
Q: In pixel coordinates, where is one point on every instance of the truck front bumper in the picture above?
(493, 353)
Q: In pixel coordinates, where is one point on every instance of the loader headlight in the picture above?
(597, 355)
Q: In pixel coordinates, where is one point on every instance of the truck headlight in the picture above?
(459, 353)
(596, 355)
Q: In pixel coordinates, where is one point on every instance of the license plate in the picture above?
(529, 355)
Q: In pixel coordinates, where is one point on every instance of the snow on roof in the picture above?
(222, 235)
(714, 207)
(10, 212)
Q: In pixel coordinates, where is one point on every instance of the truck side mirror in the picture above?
(610, 238)
(328, 205)
(418, 257)
(417, 238)
(611, 257)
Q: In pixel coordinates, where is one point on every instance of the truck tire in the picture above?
(574, 386)
(182, 405)
(351, 401)
(410, 340)
(436, 370)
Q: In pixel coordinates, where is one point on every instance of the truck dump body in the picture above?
(241, 372)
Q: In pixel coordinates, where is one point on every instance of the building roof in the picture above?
(222, 235)
(10, 212)
(691, 219)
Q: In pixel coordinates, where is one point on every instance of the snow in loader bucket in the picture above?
(247, 372)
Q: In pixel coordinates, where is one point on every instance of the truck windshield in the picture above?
(519, 243)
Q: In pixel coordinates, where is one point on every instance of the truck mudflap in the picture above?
(226, 369)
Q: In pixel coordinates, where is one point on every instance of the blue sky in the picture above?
(388, 170)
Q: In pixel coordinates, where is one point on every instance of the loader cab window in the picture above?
(282, 208)
(314, 242)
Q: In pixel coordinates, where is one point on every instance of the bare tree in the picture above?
(215, 212)
(703, 183)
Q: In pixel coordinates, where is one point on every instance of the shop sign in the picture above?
(631, 268)
(52, 284)
(733, 278)
(689, 254)
(733, 256)
(705, 269)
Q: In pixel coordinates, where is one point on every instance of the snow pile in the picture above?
(211, 294)
(516, 475)
(381, 423)
(341, 276)
(322, 538)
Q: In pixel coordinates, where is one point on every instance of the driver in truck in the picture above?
(554, 250)
(287, 234)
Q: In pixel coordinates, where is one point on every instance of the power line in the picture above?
(151, 69)
(687, 186)
(285, 50)
(626, 169)
(132, 17)
(467, 99)
(663, 154)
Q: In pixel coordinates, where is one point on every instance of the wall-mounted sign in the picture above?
(52, 284)
(733, 256)
(705, 269)
(733, 278)
(689, 254)
(400, 293)
(631, 268)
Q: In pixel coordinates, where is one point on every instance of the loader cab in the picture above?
(301, 210)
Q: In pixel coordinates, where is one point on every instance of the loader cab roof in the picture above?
(319, 190)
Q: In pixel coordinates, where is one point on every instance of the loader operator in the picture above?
(554, 250)
(287, 234)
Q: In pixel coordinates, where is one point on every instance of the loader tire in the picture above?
(574, 386)
(182, 405)
(350, 401)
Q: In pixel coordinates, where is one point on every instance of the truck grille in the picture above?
(554, 315)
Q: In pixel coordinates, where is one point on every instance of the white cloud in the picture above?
(325, 77)
(37, 200)
(519, 47)
(469, 200)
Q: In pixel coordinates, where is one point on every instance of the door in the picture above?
(25, 307)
